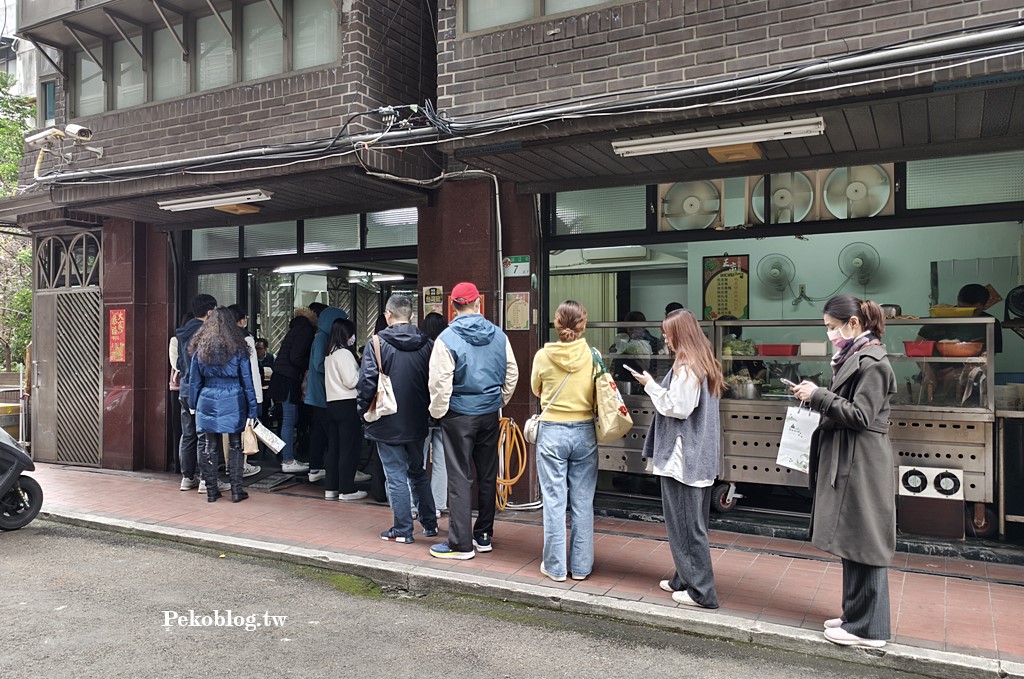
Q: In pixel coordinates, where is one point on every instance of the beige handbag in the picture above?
(250, 444)
(532, 426)
(384, 402)
(612, 420)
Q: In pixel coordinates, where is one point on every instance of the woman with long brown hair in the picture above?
(563, 378)
(221, 391)
(682, 447)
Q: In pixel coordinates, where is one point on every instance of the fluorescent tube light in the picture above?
(376, 278)
(215, 200)
(789, 129)
(304, 268)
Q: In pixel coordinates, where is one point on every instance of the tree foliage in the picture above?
(15, 112)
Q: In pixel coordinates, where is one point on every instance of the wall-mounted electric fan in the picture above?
(691, 205)
(857, 192)
(792, 196)
(776, 271)
(860, 261)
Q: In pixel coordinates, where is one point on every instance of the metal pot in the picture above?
(892, 310)
(745, 390)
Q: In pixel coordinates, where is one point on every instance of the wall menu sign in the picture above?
(118, 335)
(726, 287)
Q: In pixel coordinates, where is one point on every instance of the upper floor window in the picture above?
(483, 14)
(129, 84)
(47, 103)
(214, 59)
(170, 70)
(90, 90)
(262, 40)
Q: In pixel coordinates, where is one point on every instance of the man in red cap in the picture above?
(473, 373)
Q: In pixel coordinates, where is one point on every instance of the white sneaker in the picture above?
(362, 477)
(357, 495)
(250, 470)
(837, 635)
(683, 597)
(295, 467)
(666, 585)
(556, 578)
(315, 476)
(222, 486)
(330, 495)
(833, 623)
(188, 484)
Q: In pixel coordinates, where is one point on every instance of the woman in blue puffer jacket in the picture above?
(222, 393)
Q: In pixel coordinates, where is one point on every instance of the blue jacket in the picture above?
(478, 349)
(316, 391)
(223, 395)
(405, 352)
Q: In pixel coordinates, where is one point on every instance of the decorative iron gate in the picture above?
(67, 349)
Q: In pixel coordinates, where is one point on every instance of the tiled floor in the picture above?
(936, 602)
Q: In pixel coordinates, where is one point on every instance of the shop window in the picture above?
(314, 33)
(170, 71)
(967, 180)
(89, 90)
(327, 234)
(391, 228)
(48, 103)
(223, 287)
(215, 61)
(482, 14)
(268, 240)
(600, 211)
(129, 88)
(262, 41)
(219, 243)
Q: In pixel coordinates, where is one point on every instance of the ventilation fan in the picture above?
(860, 261)
(776, 271)
(857, 192)
(792, 198)
(691, 205)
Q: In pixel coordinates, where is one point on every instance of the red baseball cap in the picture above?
(465, 293)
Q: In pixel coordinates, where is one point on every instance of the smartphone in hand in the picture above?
(788, 383)
(631, 369)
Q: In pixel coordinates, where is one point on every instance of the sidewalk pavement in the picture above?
(950, 617)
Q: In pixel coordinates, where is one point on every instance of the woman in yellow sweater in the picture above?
(563, 378)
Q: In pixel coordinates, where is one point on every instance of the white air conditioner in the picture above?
(623, 253)
(943, 484)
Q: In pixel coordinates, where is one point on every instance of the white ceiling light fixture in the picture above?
(215, 200)
(304, 268)
(363, 276)
(788, 129)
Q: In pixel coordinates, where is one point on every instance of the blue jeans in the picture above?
(403, 466)
(567, 471)
(434, 447)
(289, 417)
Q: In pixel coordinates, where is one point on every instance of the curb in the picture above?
(424, 580)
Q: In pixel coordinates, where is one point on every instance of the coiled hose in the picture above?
(511, 455)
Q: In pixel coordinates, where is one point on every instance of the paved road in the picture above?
(92, 604)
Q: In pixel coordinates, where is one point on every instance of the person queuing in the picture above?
(563, 378)
(188, 450)
(316, 393)
(682, 447)
(286, 382)
(433, 324)
(242, 321)
(473, 373)
(344, 435)
(405, 357)
(854, 512)
(222, 396)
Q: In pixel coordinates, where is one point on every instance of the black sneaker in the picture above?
(393, 536)
(483, 543)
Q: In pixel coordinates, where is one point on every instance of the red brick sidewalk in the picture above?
(937, 603)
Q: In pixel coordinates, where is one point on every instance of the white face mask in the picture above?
(836, 336)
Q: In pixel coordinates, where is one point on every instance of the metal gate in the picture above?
(67, 349)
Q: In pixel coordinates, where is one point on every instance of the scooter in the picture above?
(21, 498)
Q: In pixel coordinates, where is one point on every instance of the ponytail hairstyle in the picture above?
(341, 331)
(570, 320)
(692, 349)
(844, 307)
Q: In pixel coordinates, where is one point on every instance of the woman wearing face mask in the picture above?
(344, 433)
(854, 511)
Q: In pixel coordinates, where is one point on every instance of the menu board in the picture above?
(726, 287)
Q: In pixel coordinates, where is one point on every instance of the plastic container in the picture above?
(777, 349)
(814, 348)
(951, 311)
(919, 348)
(959, 349)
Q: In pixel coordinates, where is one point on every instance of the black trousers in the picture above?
(470, 441)
(866, 600)
(344, 441)
(319, 426)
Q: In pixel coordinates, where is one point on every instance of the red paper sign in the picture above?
(118, 337)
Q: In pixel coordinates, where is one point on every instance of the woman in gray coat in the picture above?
(854, 511)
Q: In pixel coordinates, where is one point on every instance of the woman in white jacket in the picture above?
(242, 320)
(344, 433)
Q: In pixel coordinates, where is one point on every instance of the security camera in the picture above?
(77, 132)
(44, 138)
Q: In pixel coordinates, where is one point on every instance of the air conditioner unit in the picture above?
(623, 253)
(941, 484)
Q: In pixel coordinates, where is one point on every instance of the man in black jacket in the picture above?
(202, 305)
(405, 357)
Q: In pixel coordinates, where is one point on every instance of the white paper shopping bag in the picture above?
(269, 438)
(795, 447)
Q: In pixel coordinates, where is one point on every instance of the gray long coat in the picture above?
(854, 511)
